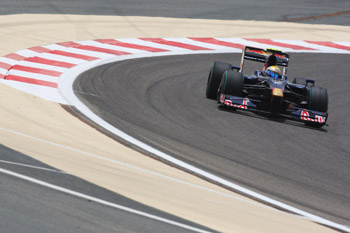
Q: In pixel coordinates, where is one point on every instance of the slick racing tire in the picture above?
(317, 101)
(231, 84)
(214, 78)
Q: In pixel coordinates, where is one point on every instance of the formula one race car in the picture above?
(267, 91)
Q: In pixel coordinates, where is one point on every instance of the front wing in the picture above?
(297, 114)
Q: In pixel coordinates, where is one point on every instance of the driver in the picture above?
(273, 71)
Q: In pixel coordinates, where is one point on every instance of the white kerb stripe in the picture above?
(8, 61)
(3, 71)
(76, 51)
(27, 53)
(154, 45)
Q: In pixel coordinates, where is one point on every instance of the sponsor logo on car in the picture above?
(306, 117)
(242, 106)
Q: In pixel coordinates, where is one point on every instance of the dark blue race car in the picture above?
(267, 91)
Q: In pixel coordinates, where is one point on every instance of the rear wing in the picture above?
(260, 55)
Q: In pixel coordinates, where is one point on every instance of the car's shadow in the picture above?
(277, 119)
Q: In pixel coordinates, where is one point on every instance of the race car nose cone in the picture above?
(277, 92)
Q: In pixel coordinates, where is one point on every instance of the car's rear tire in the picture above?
(214, 78)
(317, 101)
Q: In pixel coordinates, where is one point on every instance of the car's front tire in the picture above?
(231, 84)
(214, 78)
(317, 101)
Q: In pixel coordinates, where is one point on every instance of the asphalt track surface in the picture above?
(29, 207)
(161, 101)
(302, 11)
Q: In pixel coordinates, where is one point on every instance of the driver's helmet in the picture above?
(273, 71)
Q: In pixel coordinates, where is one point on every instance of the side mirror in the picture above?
(236, 68)
(310, 83)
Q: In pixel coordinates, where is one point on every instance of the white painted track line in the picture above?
(102, 202)
(30, 166)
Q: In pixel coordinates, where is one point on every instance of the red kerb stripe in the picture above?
(132, 46)
(73, 55)
(174, 43)
(40, 49)
(329, 44)
(218, 42)
(31, 81)
(15, 56)
(102, 50)
(279, 44)
(70, 44)
(36, 70)
(49, 62)
(93, 48)
(5, 65)
(2, 76)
